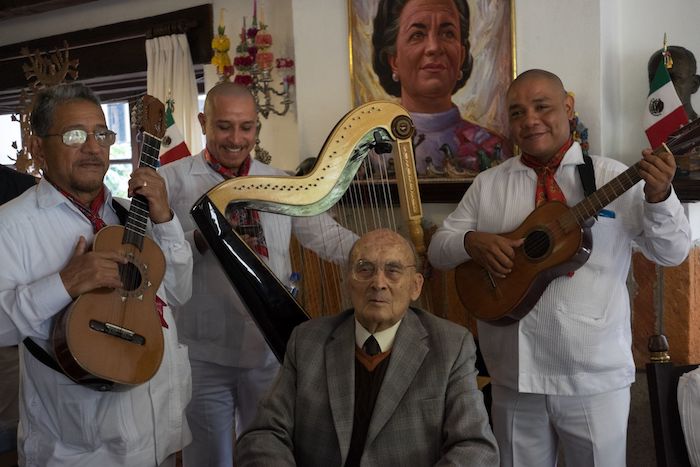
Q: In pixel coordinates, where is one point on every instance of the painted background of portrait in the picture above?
(482, 99)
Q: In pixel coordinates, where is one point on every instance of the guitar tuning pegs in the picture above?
(137, 114)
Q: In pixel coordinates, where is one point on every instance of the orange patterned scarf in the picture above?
(547, 187)
(243, 221)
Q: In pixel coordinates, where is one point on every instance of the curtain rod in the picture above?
(166, 29)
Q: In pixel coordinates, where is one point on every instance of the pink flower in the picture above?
(245, 80)
(285, 63)
(244, 61)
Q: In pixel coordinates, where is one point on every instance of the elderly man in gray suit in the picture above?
(380, 385)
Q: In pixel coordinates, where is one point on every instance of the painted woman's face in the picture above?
(429, 54)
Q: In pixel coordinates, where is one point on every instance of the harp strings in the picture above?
(368, 204)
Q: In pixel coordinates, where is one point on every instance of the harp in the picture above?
(366, 129)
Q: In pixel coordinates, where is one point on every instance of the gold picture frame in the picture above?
(491, 42)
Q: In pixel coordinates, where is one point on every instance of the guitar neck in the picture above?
(679, 142)
(605, 195)
(137, 220)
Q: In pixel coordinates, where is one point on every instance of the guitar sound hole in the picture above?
(130, 275)
(536, 244)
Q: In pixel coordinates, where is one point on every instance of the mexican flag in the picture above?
(664, 113)
(172, 146)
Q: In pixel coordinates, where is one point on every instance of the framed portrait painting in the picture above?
(450, 66)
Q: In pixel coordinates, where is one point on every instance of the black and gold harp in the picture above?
(362, 131)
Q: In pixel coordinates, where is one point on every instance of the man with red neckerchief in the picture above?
(561, 375)
(232, 366)
(45, 238)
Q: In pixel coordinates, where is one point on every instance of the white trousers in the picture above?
(590, 430)
(224, 402)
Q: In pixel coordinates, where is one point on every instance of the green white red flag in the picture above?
(664, 113)
(172, 146)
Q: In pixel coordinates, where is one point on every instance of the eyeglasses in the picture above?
(365, 270)
(76, 138)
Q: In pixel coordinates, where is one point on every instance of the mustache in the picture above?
(91, 161)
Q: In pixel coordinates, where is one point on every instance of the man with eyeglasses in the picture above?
(45, 238)
(380, 384)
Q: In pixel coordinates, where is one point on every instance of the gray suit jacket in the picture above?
(429, 410)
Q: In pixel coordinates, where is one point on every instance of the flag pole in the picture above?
(658, 344)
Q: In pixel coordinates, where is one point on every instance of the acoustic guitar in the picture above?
(557, 241)
(111, 339)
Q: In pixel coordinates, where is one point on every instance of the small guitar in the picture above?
(558, 240)
(111, 339)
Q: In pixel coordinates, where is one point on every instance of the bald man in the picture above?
(561, 375)
(232, 366)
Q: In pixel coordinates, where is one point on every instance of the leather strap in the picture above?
(42, 355)
(585, 171)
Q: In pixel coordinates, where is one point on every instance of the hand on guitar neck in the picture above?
(657, 170)
(493, 252)
(147, 183)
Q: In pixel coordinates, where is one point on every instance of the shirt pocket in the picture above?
(180, 385)
(595, 282)
(76, 410)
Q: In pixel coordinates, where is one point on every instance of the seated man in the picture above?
(381, 384)
(45, 236)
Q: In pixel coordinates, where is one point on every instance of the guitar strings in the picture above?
(586, 209)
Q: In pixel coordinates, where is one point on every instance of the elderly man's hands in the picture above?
(90, 270)
(148, 183)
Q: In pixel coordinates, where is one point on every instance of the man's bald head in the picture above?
(228, 89)
(537, 73)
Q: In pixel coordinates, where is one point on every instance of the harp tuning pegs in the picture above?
(380, 145)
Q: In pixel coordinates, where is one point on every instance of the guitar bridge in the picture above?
(117, 331)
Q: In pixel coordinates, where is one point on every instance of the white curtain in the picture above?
(170, 73)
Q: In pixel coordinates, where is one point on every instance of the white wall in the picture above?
(323, 69)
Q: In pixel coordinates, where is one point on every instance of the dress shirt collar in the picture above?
(385, 338)
(48, 196)
(572, 156)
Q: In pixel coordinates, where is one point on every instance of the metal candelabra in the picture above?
(263, 91)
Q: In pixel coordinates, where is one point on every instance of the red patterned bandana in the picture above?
(92, 212)
(547, 187)
(243, 221)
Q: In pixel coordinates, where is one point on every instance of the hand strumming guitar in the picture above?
(657, 170)
(146, 182)
(90, 270)
(493, 252)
